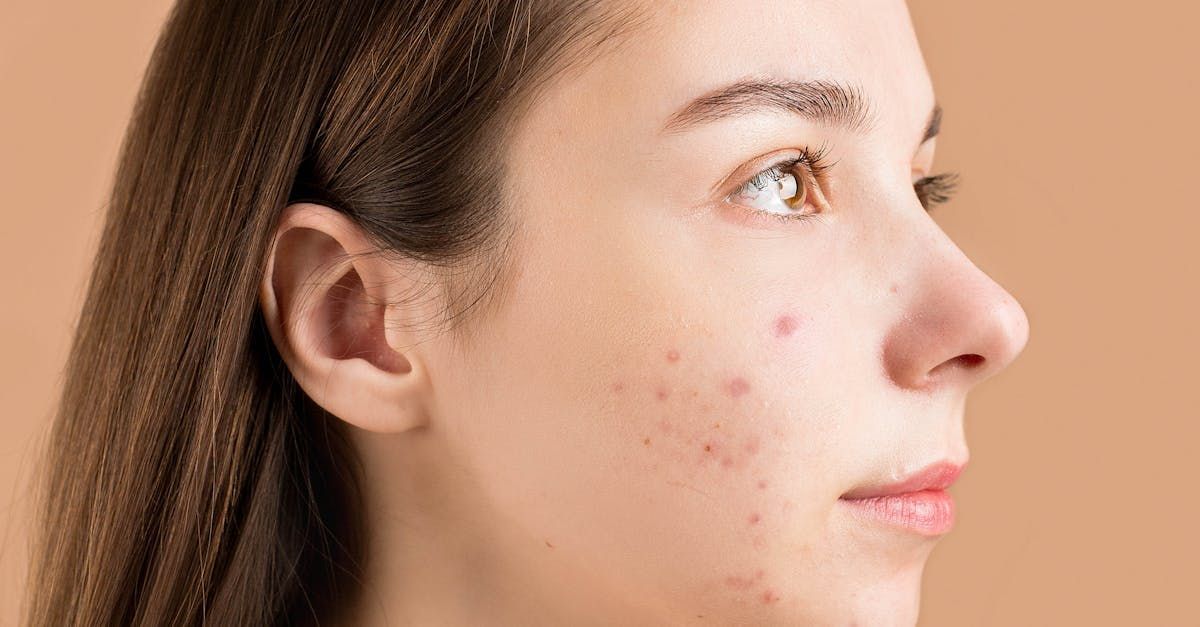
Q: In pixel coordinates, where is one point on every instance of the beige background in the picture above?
(1074, 126)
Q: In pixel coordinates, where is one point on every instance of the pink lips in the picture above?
(918, 503)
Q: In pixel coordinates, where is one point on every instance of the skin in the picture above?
(657, 423)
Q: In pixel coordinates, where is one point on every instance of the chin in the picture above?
(891, 602)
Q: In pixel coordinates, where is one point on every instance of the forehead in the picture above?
(685, 48)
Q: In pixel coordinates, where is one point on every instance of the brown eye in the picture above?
(778, 190)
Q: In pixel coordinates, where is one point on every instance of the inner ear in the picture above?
(353, 322)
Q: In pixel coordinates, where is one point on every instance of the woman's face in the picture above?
(680, 384)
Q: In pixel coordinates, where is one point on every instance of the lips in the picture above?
(936, 476)
(918, 503)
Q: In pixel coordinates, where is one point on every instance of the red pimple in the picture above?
(617, 386)
(737, 387)
(754, 518)
(662, 393)
(752, 446)
(769, 596)
(785, 326)
(727, 461)
(672, 355)
(762, 484)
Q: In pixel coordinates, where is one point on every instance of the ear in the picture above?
(325, 299)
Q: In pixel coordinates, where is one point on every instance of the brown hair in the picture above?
(188, 477)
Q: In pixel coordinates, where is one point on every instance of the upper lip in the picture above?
(936, 476)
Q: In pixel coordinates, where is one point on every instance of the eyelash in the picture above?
(815, 165)
(931, 190)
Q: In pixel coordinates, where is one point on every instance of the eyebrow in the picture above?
(822, 101)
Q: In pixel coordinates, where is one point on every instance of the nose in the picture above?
(958, 327)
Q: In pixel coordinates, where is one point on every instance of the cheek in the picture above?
(711, 446)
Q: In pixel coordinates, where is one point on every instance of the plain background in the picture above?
(1073, 124)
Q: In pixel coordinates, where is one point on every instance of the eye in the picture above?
(782, 190)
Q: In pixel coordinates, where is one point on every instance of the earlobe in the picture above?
(325, 297)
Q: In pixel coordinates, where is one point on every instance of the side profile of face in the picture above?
(687, 372)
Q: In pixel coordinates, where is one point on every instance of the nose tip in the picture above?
(962, 329)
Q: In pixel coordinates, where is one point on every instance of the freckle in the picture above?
(662, 393)
(769, 596)
(785, 326)
(754, 518)
(707, 448)
(646, 441)
(737, 387)
(672, 355)
(762, 484)
(694, 394)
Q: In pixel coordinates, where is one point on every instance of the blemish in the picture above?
(751, 446)
(737, 387)
(661, 393)
(549, 545)
(762, 484)
(742, 583)
(708, 448)
(785, 326)
(646, 441)
(754, 518)
(716, 425)
(727, 461)
(617, 386)
(672, 355)
(664, 425)
(769, 596)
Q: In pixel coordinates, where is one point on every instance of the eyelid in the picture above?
(813, 160)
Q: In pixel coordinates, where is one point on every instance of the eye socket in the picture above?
(783, 189)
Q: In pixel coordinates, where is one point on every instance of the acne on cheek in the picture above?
(702, 432)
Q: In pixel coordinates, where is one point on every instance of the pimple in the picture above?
(754, 518)
(727, 462)
(751, 446)
(769, 596)
(785, 326)
(672, 355)
(762, 484)
(737, 387)
(617, 386)
(661, 393)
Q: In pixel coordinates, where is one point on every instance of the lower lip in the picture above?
(928, 512)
